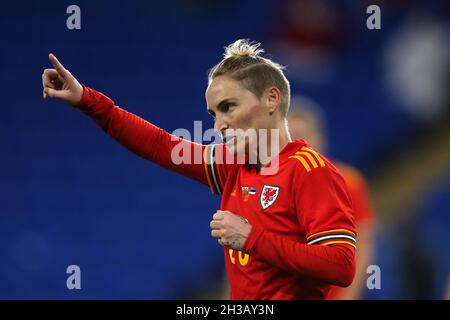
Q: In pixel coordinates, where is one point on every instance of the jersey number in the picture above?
(243, 257)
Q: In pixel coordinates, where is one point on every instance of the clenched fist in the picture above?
(230, 229)
(59, 83)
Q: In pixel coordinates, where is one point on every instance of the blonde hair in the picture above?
(242, 61)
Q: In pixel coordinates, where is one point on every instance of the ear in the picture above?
(273, 99)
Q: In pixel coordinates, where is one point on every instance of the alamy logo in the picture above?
(74, 20)
(374, 280)
(74, 280)
(250, 146)
(374, 20)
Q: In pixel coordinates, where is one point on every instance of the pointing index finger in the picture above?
(57, 65)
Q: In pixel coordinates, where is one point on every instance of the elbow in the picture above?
(346, 277)
(347, 268)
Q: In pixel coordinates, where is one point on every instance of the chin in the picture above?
(243, 153)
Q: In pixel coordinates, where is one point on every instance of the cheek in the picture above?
(247, 116)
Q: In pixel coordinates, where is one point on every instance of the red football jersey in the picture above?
(303, 234)
(304, 202)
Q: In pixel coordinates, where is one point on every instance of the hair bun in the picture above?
(243, 48)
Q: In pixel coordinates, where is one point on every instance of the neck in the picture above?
(277, 139)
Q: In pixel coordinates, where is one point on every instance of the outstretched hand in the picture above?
(59, 83)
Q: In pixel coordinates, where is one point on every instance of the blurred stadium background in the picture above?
(69, 194)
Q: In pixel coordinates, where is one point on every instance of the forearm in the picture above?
(139, 136)
(333, 264)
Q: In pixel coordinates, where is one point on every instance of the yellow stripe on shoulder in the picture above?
(308, 157)
(319, 158)
(302, 161)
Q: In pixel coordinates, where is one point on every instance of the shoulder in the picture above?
(312, 168)
(304, 160)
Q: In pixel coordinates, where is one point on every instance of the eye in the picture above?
(226, 107)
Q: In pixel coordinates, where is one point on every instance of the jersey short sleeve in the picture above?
(323, 204)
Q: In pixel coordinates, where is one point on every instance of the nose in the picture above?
(220, 125)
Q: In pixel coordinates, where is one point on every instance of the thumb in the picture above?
(58, 94)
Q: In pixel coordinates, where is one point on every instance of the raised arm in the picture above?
(133, 132)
